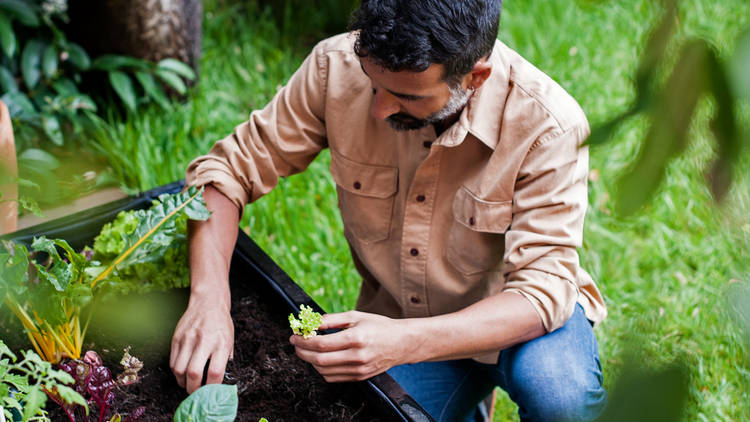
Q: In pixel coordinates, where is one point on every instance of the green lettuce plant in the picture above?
(308, 322)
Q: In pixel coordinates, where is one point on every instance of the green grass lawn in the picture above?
(664, 272)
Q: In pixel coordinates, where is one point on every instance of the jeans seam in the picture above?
(453, 394)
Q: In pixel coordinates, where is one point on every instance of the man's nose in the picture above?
(383, 104)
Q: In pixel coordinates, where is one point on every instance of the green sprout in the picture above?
(308, 322)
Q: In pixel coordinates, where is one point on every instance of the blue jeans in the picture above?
(556, 377)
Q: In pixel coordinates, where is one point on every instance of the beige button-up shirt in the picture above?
(435, 223)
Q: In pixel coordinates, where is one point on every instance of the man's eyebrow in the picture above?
(408, 97)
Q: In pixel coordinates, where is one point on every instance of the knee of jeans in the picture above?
(560, 397)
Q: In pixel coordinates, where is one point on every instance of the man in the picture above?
(462, 189)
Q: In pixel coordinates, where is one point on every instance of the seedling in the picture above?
(308, 322)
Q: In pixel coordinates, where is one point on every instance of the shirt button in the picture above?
(414, 299)
(420, 198)
(414, 252)
(472, 221)
(427, 144)
(357, 185)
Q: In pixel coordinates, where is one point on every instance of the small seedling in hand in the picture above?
(308, 322)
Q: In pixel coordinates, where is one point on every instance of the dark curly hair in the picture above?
(413, 34)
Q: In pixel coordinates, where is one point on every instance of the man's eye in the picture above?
(374, 91)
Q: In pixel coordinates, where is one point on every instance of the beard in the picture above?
(457, 100)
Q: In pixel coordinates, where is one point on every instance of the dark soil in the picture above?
(272, 381)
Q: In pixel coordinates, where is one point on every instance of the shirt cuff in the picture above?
(554, 298)
(201, 172)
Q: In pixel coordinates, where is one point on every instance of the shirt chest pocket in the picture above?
(476, 242)
(365, 193)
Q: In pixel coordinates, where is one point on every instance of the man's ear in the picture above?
(481, 71)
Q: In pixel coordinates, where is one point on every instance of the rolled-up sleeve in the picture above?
(549, 205)
(277, 141)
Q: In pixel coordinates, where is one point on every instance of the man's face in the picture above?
(411, 100)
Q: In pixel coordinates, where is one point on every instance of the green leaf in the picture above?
(7, 36)
(110, 62)
(7, 80)
(49, 61)
(171, 79)
(51, 127)
(35, 399)
(210, 403)
(30, 205)
(38, 158)
(123, 86)
(647, 395)
(723, 125)
(152, 88)
(60, 274)
(155, 230)
(31, 60)
(177, 67)
(70, 396)
(739, 65)
(65, 86)
(14, 265)
(78, 56)
(655, 48)
(22, 10)
(667, 136)
(19, 105)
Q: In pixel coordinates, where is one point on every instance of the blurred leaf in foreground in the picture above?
(698, 72)
(648, 395)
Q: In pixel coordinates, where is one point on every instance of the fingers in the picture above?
(194, 372)
(179, 357)
(197, 339)
(218, 366)
(331, 359)
(340, 320)
(341, 340)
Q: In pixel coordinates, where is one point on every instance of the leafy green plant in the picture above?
(49, 297)
(131, 260)
(308, 322)
(41, 71)
(210, 403)
(24, 385)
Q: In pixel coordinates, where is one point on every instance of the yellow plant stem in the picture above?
(51, 343)
(41, 345)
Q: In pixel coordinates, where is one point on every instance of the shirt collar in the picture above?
(482, 116)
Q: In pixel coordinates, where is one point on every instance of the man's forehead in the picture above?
(426, 79)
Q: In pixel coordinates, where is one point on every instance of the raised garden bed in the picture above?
(272, 382)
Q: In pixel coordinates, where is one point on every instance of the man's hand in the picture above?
(369, 345)
(204, 332)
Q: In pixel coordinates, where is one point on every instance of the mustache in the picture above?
(404, 121)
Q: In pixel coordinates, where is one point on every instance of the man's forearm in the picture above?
(492, 324)
(211, 246)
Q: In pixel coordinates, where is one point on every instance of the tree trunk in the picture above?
(148, 29)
